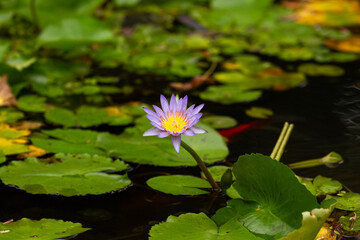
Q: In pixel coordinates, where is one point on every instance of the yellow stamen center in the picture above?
(175, 122)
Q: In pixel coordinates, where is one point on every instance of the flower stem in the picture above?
(281, 142)
(202, 166)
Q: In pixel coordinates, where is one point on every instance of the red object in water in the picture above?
(230, 133)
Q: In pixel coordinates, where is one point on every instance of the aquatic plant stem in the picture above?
(202, 166)
(281, 142)
(34, 14)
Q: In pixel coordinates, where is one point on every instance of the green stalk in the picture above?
(34, 14)
(202, 166)
(281, 142)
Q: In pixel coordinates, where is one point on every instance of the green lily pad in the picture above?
(44, 229)
(87, 116)
(69, 175)
(228, 94)
(131, 146)
(2, 157)
(69, 141)
(259, 112)
(72, 32)
(347, 201)
(324, 185)
(9, 115)
(51, 12)
(198, 227)
(219, 122)
(217, 172)
(312, 69)
(32, 103)
(280, 196)
(179, 185)
(351, 222)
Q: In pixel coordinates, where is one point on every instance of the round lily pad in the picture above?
(179, 184)
(219, 122)
(68, 175)
(44, 229)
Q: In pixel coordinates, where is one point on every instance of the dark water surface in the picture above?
(326, 114)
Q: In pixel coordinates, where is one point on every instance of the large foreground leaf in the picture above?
(281, 198)
(69, 175)
(44, 229)
(192, 226)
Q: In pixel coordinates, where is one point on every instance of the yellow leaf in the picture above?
(351, 44)
(11, 133)
(34, 152)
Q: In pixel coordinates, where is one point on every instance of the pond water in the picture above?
(321, 112)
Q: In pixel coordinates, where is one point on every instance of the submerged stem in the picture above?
(281, 142)
(202, 166)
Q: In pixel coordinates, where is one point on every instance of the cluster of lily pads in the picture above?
(71, 70)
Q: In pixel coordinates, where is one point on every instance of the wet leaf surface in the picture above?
(69, 175)
(44, 229)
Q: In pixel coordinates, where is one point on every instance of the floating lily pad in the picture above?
(87, 116)
(44, 229)
(312, 69)
(179, 185)
(69, 141)
(2, 157)
(131, 146)
(32, 103)
(199, 227)
(347, 201)
(259, 112)
(12, 141)
(219, 122)
(9, 115)
(72, 32)
(325, 186)
(69, 175)
(280, 196)
(217, 172)
(228, 94)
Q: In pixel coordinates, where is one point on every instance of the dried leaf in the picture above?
(6, 96)
(351, 44)
(197, 81)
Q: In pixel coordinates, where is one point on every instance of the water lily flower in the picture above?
(174, 119)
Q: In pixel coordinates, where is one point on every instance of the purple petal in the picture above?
(152, 132)
(159, 111)
(164, 104)
(150, 112)
(189, 110)
(197, 130)
(176, 141)
(157, 125)
(173, 103)
(189, 132)
(163, 134)
(194, 119)
(154, 118)
(184, 103)
(197, 109)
